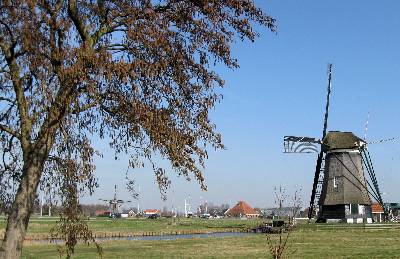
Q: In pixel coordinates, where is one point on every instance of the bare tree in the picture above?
(138, 74)
(278, 240)
(280, 196)
(296, 206)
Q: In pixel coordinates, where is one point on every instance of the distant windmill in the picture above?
(114, 204)
(340, 191)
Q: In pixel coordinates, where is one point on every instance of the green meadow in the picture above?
(306, 241)
(356, 243)
(143, 225)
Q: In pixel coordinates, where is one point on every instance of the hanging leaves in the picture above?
(138, 74)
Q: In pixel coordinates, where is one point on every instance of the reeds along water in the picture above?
(145, 236)
(43, 237)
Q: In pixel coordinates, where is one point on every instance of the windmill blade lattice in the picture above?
(292, 144)
(384, 140)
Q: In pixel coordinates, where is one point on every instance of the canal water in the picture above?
(156, 237)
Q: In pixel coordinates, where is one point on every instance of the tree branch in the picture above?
(19, 94)
(2, 98)
(54, 28)
(10, 131)
(84, 108)
(9, 31)
(104, 26)
(79, 25)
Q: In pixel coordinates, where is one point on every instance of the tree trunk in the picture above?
(34, 157)
(21, 210)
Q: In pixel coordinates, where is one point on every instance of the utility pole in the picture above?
(49, 203)
(138, 207)
(185, 209)
(41, 207)
(200, 204)
(50, 208)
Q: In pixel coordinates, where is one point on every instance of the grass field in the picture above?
(342, 243)
(143, 226)
(307, 241)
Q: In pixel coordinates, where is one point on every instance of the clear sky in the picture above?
(280, 90)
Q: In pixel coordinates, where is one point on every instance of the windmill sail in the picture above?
(321, 153)
(294, 144)
(366, 159)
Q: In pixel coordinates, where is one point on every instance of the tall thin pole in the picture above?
(49, 202)
(41, 207)
(138, 208)
(50, 208)
(185, 209)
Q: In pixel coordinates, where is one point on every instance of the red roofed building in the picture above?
(377, 212)
(242, 209)
(151, 212)
(102, 213)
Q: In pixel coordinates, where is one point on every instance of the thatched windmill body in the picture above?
(340, 190)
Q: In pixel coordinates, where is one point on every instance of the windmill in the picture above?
(114, 204)
(340, 191)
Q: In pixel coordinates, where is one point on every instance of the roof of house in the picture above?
(376, 208)
(241, 209)
(101, 212)
(151, 211)
(129, 211)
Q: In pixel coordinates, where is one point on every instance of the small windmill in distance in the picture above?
(115, 204)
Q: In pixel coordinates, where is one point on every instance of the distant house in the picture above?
(151, 212)
(394, 210)
(242, 210)
(167, 214)
(128, 214)
(377, 212)
(131, 213)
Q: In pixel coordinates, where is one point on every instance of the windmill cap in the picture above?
(341, 140)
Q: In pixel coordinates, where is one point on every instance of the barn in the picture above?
(242, 210)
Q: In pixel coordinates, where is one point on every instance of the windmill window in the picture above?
(334, 182)
(354, 208)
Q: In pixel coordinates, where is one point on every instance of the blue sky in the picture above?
(280, 90)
